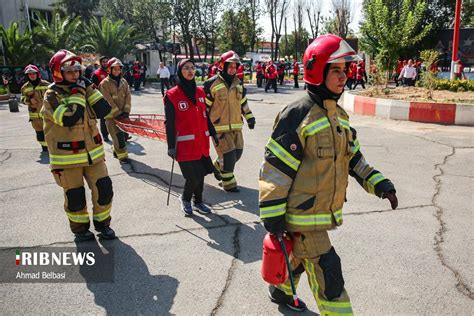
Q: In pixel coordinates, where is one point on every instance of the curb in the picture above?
(424, 112)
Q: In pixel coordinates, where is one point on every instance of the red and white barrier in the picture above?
(426, 112)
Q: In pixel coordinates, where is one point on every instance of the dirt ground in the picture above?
(419, 94)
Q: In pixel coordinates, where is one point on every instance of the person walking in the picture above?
(136, 73)
(187, 134)
(70, 108)
(271, 75)
(359, 75)
(227, 103)
(164, 74)
(408, 74)
(32, 93)
(302, 185)
(116, 91)
(259, 73)
(296, 73)
(97, 76)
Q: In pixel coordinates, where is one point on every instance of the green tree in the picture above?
(391, 28)
(16, 46)
(59, 33)
(82, 8)
(109, 38)
(230, 32)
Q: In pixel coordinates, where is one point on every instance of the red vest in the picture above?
(240, 72)
(259, 69)
(191, 124)
(101, 74)
(271, 72)
(296, 68)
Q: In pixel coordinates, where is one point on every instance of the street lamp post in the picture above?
(457, 18)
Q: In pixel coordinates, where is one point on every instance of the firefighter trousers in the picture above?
(118, 139)
(229, 151)
(72, 182)
(313, 254)
(37, 124)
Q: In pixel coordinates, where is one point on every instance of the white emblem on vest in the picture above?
(183, 105)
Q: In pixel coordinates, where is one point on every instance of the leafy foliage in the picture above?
(17, 47)
(59, 33)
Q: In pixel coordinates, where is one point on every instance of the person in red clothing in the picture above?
(271, 75)
(240, 74)
(259, 71)
(187, 133)
(281, 71)
(359, 75)
(136, 73)
(350, 74)
(296, 72)
(97, 77)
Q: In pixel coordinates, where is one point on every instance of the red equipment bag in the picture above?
(274, 270)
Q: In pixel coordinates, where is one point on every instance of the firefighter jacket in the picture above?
(29, 92)
(191, 124)
(99, 75)
(70, 113)
(226, 104)
(308, 158)
(117, 95)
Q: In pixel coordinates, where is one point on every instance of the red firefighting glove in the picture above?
(392, 197)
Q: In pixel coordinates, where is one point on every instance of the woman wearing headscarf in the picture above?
(187, 133)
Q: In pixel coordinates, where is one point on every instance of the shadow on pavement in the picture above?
(134, 291)
(43, 158)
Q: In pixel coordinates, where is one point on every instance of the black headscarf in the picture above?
(188, 86)
(36, 81)
(116, 78)
(228, 78)
(322, 91)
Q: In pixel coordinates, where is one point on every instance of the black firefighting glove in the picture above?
(172, 153)
(251, 122)
(85, 82)
(392, 197)
(275, 225)
(216, 139)
(123, 115)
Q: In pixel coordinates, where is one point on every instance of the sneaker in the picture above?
(201, 208)
(279, 297)
(84, 236)
(107, 233)
(186, 208)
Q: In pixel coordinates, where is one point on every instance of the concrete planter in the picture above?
(426, 112)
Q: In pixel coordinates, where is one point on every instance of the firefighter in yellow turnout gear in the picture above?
(71, 106)
(227, 103)
(32, 94)
(311, 152)
(116, 91)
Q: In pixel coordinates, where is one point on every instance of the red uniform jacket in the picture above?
(259, 69)
(100, 74)
(191, 124)
(296, 68)
(136, 71)
(271, 72)
(240, 72)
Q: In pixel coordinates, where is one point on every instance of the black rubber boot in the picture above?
(84, 236)
(279, 297)
(107, 233)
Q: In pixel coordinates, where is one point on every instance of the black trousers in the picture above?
(281, 78)
(259, 80)
(136, 84)
(295, 78)
(357, 82)
(164, 82)
(271, 82)
(193, 187)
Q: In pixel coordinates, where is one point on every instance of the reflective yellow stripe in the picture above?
(27, 89)
(236, 126)
(34, 115)
(229, 182)
(222, 128)
(68, 159)
(75, 100)
(122, 155)
(78, 218)
(41, 88)
(244, 99)
(283, 155)
(97, 152)
(208, 102)
(102, 216)
(344, 123)
(43, 144)
(94, 97)
(248, 116)
(217, 87)
(373, 180)
(272, 211)
(23, 99)
(285, 288)
(315, 127)
(310, 219)
(59, 114)
(356, 146)
(338, 216)
(325, 307)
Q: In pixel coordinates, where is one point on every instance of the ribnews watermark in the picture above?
(57, 265)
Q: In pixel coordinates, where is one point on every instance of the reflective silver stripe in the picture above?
(185, 138)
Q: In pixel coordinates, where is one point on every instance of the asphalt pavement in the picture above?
(414, 260)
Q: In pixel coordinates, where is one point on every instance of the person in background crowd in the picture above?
(408, 74)
(172, 69)
(164, 74)
(97, 77)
